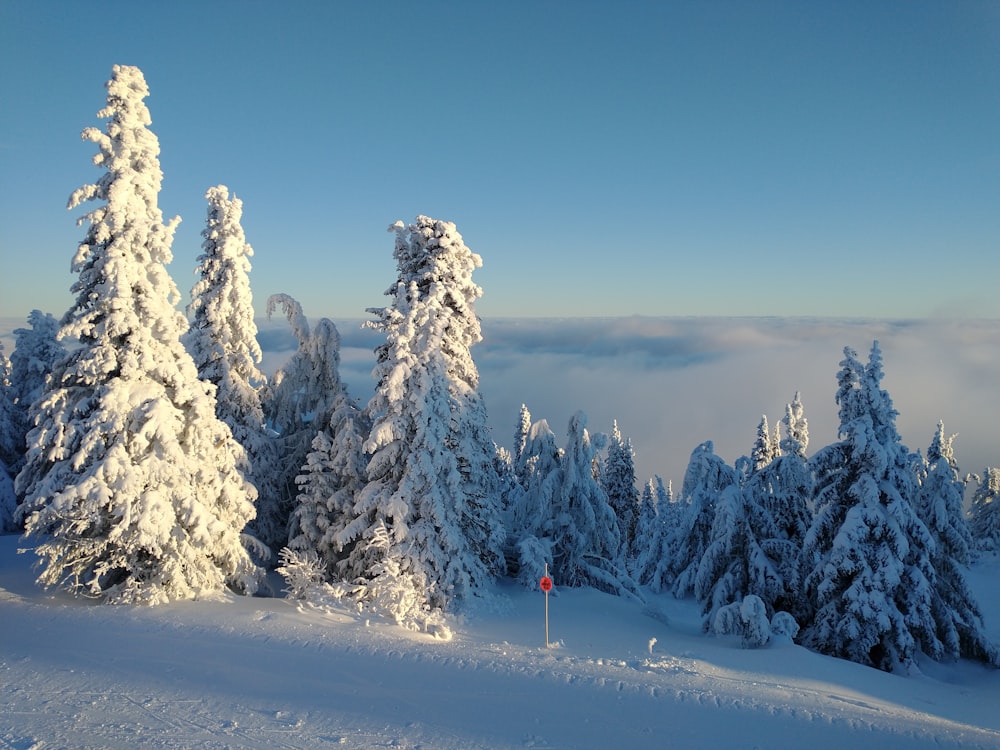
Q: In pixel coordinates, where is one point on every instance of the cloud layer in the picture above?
(672, 383)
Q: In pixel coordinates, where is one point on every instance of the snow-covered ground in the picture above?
(265, 673)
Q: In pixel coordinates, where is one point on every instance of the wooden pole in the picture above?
(546, 609)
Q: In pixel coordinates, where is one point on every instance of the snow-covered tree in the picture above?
(640, 561)
(521, 430)
(739, 558)
(939, 504)
(222, 340)
(8, 448)
(984, 522)
(300, 401)
(868, 571)
(530, 526)
(333, 475)
(618, 480)
(707, 476)
(766, 447)
(586, 539)
(431, 480)
(131, 482)
(781, 490)
(36, 351)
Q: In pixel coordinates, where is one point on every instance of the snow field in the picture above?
(264, 673)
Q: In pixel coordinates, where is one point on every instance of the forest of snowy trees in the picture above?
(146, 458)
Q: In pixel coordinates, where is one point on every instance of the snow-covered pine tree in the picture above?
(765, 448)
(618, 480)
(782, 489)
(736, 562)
(431, 481)
(36, 351)
(222, 340)
(8, 448)
(984, 521)
(299, 402)
(640, 562)
(940, 506)
(530, 530)
(333, 475)
(707, 476)
(521, 430)
(586, 539)
(868, 572)
(131, 482)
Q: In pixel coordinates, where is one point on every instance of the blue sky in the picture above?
(676, 158)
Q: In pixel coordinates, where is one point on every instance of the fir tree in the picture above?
(766, 447)
(36, 351)
(782, 490)
(131, 482)
(333, 475)
(618, 480)
(521, 430)
(222, 340)
(985, 513)
(737, 562)
(939, 504)
(868, 573)
(540, 467)
(586, 539)
(300, 402)
(707, 476)
(8, 449)
(431, 481)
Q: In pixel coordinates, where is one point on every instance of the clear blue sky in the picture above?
(605, 158)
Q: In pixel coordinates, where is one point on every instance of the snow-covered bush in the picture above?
(784, 626)
(747, 619)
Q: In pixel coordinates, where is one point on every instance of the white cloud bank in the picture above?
(674, 382)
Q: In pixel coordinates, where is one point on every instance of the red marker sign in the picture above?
(545, 584)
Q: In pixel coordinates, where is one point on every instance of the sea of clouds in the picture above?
(672, 383)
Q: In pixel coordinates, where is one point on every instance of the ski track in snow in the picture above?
(264, 673)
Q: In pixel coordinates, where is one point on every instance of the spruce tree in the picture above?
(9, 445)
(984, 522)
(958, 615)
(222, 339)
(299, 403)
(131, 482)
(868, 571)
(586, 538)
(618, 480)
(431, 481)
(706, 478)
(36, 351)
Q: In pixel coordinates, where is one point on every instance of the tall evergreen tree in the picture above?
(131, 482)
(939, 504)
(333, 475)
(985, 512)
(36, 351)
(586, 538)
(530, 530)
(766, 447)
(706, 478)
(736, 562)
(8, 448)
(618, 480)
(868, 573)
(782, 490)
(521, 430)
(222, 340)
(299, 403)
(431, 481)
